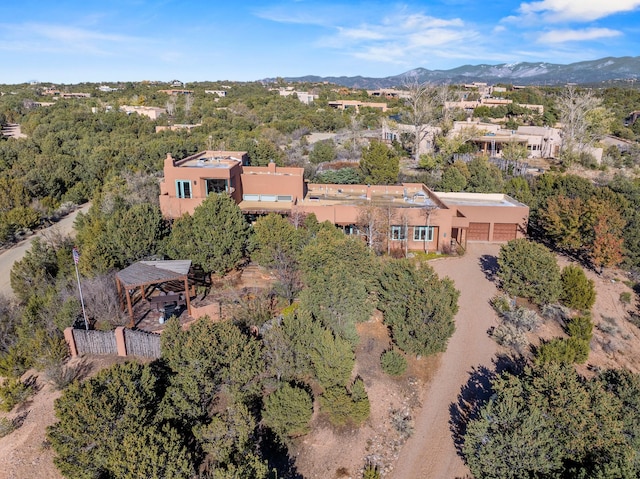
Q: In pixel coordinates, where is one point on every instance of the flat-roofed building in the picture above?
(418, 219)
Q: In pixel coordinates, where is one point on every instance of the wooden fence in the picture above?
(120, 342)
(142, 344)
(95, 342)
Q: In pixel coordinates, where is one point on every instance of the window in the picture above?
(351, 230)
(183, 188)
(398, 232)
(215, 185)
(423, 233)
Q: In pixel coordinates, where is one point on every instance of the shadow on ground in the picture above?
(475, 394)
(489, 266)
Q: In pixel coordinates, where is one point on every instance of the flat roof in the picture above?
(479, 199)
(212, 159)
(396, 196)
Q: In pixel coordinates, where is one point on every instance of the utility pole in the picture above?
(76, 259)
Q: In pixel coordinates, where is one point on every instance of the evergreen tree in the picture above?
(379, 164)
(529, 270)
(418, 307)
(215, 238)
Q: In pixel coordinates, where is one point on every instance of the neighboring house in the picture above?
(540, 141)
(176, 92)
(177, 127)
(418, 219)
(389, 93)
(220, 93)
(403, 133)
(152, 112)
(304, 97)
(346, 104)
(107, 88)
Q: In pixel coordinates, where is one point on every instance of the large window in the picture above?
(423, 233)
(183, 188)
(215, 185)
(398, 232)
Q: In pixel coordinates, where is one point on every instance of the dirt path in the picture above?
(430, 452)
(10, 256)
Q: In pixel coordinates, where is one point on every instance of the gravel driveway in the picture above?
(431, 452)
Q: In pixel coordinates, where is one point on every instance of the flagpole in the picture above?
(76, 258)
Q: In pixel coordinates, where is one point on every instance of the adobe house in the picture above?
(417, 218)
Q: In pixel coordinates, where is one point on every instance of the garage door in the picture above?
(504, 231)
(478, 232)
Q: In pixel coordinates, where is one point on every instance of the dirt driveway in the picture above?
(10, 256)
(431, 452)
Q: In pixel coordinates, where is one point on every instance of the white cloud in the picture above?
(41, 37)
(578, 10)
(562, 36)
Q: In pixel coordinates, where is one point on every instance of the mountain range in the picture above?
(607, 69)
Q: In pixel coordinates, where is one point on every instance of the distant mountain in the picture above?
(589, 72)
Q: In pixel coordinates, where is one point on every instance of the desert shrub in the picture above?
(523, 319)
(393, 362)
(578, 291)
(625, 298)
(580, 327)
(608, 325)
(371, 471)
(509, 336)
(402, 422)
(287, 412)
(562, 350)
(61, 375)
(13, 392)
(6, 426)
(556, 312)
(501, 304)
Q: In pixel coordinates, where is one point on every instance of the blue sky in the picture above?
(70, 41)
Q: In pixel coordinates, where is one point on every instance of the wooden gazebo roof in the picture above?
(144, 273)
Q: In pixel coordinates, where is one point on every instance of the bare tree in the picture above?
(188, 103)
(373, 223)
(574, 109)
(425, 103)
(171, 106)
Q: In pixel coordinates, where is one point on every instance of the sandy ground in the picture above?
(10, 256)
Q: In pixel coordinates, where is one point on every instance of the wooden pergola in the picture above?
(146, 273)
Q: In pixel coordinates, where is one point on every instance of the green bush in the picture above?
(287, 412)
(580, 327)
(529, 270)
(6, 426)
(501, 304)
(578, 292)
(336, 403)
(343, 407)
(393, 362)
(13, 392)
(371, 471)
(361, 407)
(561, 350)
(625, 298)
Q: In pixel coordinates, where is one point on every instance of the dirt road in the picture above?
(430, 452)
(10, 256)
